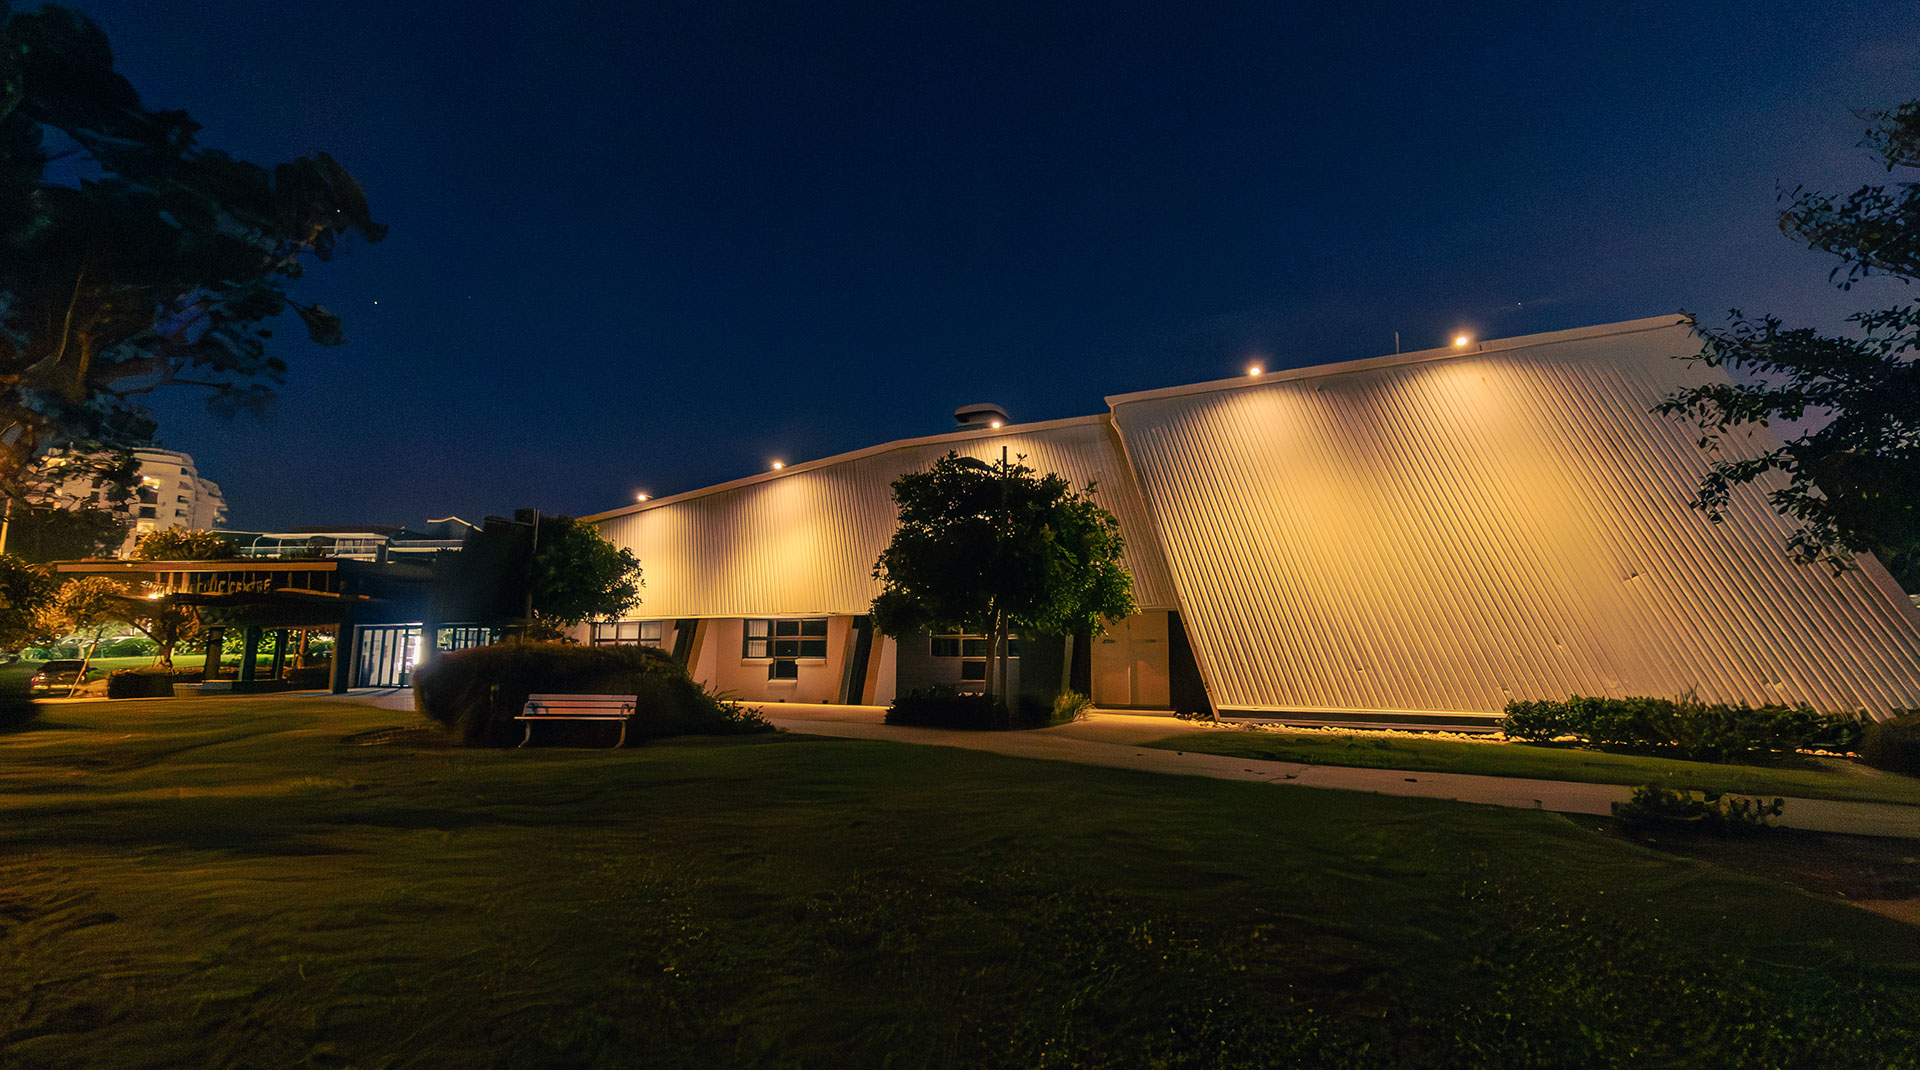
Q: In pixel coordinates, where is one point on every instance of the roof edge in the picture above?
(1420, 356)
(961, 435)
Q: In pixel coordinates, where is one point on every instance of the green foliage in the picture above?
(1852, 476)
(1893, 745)
(1685, 728)
(163, 267)
(578, 575)
(48, 533)
(93, 605)
(183, 544)
(1711, 811)
(1070, 706)
(996, 548)
(942, 706)
(25, 591)
(478, 692)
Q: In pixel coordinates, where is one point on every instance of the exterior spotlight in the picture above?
(777, 465)
(994, 424)
(1460, 340)
(1254, 370)
(642, 496)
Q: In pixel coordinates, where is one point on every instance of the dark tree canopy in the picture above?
(131, 259)
(578, 575)
(1852, 479)
(996, 548)
(24, 592)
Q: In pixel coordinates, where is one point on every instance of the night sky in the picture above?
(654, 246)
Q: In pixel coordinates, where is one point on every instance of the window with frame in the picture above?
(783, 643)
(972, 651)
(629, 633)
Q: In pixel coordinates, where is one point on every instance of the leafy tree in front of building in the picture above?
(1851, 479)
(183, 544)
(995, 549)
(24, 591)
(132, 259)
(577, 575)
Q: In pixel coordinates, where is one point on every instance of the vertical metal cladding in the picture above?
(805, 540)
(1446, 534)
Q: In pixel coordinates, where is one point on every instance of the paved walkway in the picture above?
(1113, 740)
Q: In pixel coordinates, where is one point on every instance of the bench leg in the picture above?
(623, 736)
(526, 739)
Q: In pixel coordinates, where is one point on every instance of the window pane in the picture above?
(786, 627)
(813, 648)
(1013, 647)
(946, 646)
(786, 648)
(816, 626)
(757, 629)
(650, 630)
(756, 648)
(973, 670)
(973, 648)
(783, 670)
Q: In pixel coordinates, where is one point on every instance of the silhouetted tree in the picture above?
(1852, 479)
(183, 544)
(996, 548)
(131, 259)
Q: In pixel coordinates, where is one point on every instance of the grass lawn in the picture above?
(232, 882)
(14, 676)
(1813, 778)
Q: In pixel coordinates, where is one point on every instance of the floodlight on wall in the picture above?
(1254, 370)
(995, 424)
(777, 465)
(1460, 340)
(642, 496)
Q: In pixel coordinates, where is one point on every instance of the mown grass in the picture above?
(225, 882)
(1809, 777)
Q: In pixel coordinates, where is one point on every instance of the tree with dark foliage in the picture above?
(131, 259)
(997, 548)
(1852, 480)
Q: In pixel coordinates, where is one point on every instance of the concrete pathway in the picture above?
(1113, 740)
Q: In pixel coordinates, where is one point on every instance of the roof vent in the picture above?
(983, 414)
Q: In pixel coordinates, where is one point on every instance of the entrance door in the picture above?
(1130, 663)
(386, 655)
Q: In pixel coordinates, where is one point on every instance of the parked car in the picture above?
(57, 675)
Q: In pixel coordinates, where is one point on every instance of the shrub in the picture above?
(1536, 721)
(1893, 745)
(1070, 706)
(151, 682)
(941, 706)
(1711, 811)
(478, 692)
(1685, 727)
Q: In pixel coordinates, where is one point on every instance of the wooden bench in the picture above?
(577, 708)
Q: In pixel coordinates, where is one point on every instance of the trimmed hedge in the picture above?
(150, 682)
(478, 692)
(941, 706)
(16, 710)
(1684, 728)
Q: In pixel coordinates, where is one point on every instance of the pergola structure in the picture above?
(378, 612)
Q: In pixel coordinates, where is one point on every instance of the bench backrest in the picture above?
(609, 705)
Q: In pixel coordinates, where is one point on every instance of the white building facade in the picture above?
(1416, 538)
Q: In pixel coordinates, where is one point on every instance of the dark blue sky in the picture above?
(656, 245)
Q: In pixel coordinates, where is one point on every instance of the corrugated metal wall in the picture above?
(1447, 535)
(805, 540)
